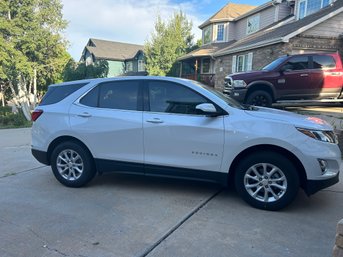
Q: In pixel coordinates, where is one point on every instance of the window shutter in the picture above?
(234, 63)
(250, 56)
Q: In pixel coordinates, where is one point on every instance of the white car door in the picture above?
(109, 120)
(175, 134)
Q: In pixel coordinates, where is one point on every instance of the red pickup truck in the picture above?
(301, 77)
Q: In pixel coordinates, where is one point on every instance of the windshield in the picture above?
(274, 64)
(231, 102)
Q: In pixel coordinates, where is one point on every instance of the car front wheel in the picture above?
(267, 180)
(72, 165)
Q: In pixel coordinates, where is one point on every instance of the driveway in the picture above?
(122, 216)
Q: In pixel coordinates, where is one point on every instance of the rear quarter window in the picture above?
(58, 93)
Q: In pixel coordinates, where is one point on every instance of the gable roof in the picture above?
(205, 50)
(257, 9)
(228, 13)
(110, 50)
(276, 34)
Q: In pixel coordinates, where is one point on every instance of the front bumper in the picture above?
(313, 186)
(237, 94)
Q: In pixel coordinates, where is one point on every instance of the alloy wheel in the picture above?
(70, 165)
(265, 182)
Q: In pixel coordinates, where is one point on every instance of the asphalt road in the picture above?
(122, 216)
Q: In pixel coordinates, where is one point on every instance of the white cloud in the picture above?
(125, 21)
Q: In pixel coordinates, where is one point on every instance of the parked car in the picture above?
(293, 77)
(180, 128)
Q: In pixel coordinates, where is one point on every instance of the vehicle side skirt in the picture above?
(104, 166)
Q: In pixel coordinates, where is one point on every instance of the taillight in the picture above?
(35, 115)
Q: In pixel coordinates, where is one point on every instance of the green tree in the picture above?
(170, 40)
(32, 50)
(77, 71)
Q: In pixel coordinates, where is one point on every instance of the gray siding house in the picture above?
(122, 58)
(216, 35)
(277, 28)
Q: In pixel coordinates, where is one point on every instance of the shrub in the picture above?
(12, 120)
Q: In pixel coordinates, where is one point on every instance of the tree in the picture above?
(76, 71)
(169, 41)
(32, 50)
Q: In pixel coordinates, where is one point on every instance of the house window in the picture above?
(129, 66)
(313, 6)
(206, 35)
(253, 24)
(307, 7)
(205, 65)
(141, 66)
(220, 32)
(242, 63)
(302, 9)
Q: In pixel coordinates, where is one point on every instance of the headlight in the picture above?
(239, 83)
(324, 136)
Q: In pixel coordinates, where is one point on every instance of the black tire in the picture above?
(285, 176)
(260, 98)
(72, 164)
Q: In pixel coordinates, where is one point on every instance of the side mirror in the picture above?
(207, 108)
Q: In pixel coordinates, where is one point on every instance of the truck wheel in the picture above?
(260, 98)
(267, 180)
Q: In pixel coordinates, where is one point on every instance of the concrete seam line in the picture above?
(19, 172)
(332, 191)
(179, 224)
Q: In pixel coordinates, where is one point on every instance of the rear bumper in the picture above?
(40, 156)
(313, 186)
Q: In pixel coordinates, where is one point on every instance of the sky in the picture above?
(130, 21)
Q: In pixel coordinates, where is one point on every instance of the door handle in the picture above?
(85, 115)
(155, 121)
(304, 75)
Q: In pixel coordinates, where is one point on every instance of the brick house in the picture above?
(277, 28)
(122, 58)
(200, 64)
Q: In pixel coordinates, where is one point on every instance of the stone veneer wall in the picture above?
(261, 57)
(338, 248)
(264, 55)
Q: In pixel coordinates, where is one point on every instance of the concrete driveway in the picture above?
(122, 216)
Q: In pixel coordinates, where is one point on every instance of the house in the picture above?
(277, 28)
(122, 58)
(199, 64)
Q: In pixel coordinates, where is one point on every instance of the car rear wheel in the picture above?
(72, 165)
(260, 98)
(267, 180)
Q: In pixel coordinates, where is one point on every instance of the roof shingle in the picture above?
(228, 13)
(111, 50)
(274, 33)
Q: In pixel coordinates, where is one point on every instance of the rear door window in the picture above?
(56, 94)
(122, 95)
(323, 62)
(91, 98)
(296, 63)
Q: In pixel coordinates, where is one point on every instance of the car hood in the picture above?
(290, 118)
(248, 74)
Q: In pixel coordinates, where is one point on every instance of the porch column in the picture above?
(196, 70)
(180, 70)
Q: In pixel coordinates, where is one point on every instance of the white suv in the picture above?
(180, 128)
